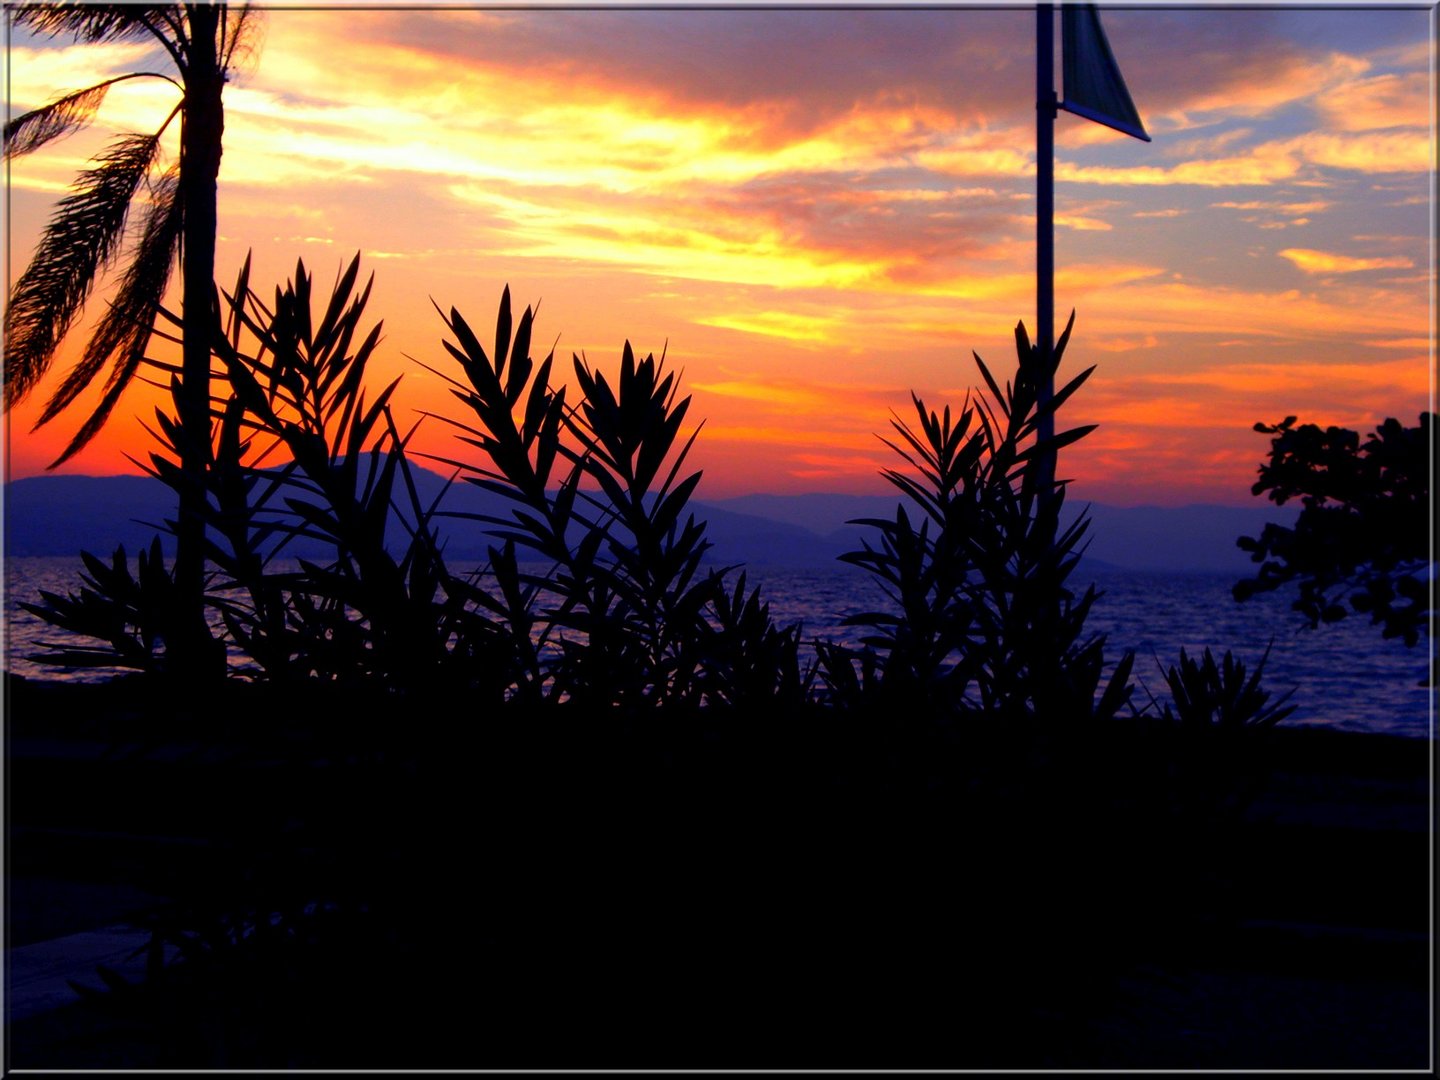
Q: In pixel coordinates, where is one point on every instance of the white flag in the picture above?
(1094, 87)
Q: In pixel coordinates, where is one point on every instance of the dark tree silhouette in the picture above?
(1364, 531)
(87, 231)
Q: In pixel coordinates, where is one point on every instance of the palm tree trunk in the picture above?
(193, 651)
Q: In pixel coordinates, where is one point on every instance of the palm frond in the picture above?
(62, 116)
(93, 23)
(240, 34)
(65, 115)
(82, 237)
(124, 331)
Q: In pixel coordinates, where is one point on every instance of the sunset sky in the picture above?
(819, 211)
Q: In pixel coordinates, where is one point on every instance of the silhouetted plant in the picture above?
(1206, 694)
(84, 237)
(295, 389)
(746, 660)
(247, 987)
(983, 619)
(1364, 529)
(366, 614)
(630, 618)
(128, 616)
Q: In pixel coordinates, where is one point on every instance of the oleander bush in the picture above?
(592, 783)
(982, 619)
(599, 592)
(623, 615)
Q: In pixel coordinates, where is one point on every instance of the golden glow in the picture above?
(1267, 164)
(768, 393)
(1402, 375)
(1324, 262)
(805, 329)
(814, 248)
(1082, 224)
(1389, 152)
(1384, 101)
(1268, 82)
(1293, 208)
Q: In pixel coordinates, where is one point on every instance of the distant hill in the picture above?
(63, 515)
(1196, 538)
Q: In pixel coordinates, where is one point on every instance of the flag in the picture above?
(1094, 87)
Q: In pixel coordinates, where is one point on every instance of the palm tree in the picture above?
(88, 228)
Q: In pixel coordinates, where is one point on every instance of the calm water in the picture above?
(1344, 675)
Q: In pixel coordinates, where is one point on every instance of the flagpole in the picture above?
(1045, 109)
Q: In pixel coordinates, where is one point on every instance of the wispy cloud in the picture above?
(822, 209)
(1326, 262)
(1383, 101)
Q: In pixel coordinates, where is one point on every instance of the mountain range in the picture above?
(63, 515)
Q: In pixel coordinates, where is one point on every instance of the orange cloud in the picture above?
(979, 153)
(1384, 101)
(1119, 345)
(1403, 375)
(39, 75)
(1324, 262)
(1281, 208)
(768, 392)
(1082, 224)
(1266, 82)
(1400, 343)
(1266, 164)
(1389, 152)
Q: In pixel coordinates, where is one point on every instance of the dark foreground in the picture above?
(359, 881)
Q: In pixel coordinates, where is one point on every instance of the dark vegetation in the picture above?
(86, 235)
(1363, 534)
(589, 805)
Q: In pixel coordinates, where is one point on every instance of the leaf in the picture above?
(124, 331)
(63, 116)
(502, 334)
(82, 237)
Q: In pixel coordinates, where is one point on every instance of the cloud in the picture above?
(1383, 101)
(802, 329)
(799, 199)
(1273, 162)
(40, 75)
(1391, 152)
(1262, 83)
(1269, 163)
(816, 64)
(1288, 378)
(1294, 208)
(768, 392)
(1120, 345)
(1324, 262)
(1206, 146)
(1082, 224)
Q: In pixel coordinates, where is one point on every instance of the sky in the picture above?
(816, 212)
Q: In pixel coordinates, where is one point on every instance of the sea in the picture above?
(1344, 675)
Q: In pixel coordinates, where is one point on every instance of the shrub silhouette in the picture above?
(596, 593)
(630, 619)
(367, 614)
(1364, 529)
(127, 615)
(792, 826)
(984, 620)
(292, 382)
